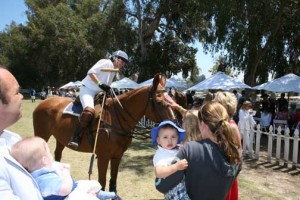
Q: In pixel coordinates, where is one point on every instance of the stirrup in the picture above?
(74, 142)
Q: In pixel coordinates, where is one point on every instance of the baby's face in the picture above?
(167, 138)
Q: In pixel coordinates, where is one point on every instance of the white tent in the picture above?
(170, 83)
(124, 83)
(287, 83)
(219, 81)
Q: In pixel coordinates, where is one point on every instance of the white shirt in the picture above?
(246, 121)
(15, 182)
(265, 119)
(8, 138)
(104, 77)
(164, 157)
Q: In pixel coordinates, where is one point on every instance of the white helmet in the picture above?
(122, 55)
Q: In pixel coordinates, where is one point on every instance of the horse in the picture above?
(113, 139)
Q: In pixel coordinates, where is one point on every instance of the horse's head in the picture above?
(158, 110)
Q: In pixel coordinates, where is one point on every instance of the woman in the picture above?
(214, 161)
(229, 101)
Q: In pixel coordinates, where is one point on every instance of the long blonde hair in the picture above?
(215, 116)
(191, 126)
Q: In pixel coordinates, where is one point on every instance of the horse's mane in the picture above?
(127, 95)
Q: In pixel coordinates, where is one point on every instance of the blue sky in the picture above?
(14, 10)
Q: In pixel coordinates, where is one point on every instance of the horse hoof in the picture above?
(112, 186)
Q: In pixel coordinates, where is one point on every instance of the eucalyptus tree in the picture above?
(163, 37)
(256, 37)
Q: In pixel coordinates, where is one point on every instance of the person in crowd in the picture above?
(272, 105)
(228, 100)
(282, 113)
(237, 95)
(246, 122)
(265, 120)
(15, 181)
(54, 178)
(191, 126)
(242, 99)
(265, 102)
(166, 136)
(190, 98)
(43, 94)
(95, 82)
(282, 103)
(32, 95)
(213, 162)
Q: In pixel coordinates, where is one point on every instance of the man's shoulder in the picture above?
(10, 137)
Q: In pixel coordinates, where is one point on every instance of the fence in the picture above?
(145, 123)
(286, 145)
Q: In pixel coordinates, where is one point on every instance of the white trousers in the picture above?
(86, 96)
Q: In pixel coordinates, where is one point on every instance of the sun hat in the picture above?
(155, 131)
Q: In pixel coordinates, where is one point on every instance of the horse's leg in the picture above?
(102, 169)
(58, 150)
(114, 169)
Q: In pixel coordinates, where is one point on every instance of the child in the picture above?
(54, 178)
(166, 136)
(191, 126)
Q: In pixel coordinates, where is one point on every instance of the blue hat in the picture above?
(155, 130)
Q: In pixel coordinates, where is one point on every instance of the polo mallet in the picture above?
(99, 122)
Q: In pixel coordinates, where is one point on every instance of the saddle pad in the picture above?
(73, 109)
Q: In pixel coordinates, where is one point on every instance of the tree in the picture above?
(258, 37)
(162, 41)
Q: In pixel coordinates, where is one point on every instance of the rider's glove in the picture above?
(103, 86)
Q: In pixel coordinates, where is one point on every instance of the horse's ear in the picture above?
(159, 78)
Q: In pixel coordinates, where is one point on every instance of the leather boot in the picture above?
(85, 120)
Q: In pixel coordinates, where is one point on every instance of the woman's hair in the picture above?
(215, 116)
(29, 152)
(191, 126)
(228, 100)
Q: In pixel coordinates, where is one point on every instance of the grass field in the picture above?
(136, 177)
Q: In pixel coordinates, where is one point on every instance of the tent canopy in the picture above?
(124, 83)
(219, 81)
(170, 83)
(287, 83)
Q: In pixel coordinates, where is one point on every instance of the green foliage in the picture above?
(64, 38)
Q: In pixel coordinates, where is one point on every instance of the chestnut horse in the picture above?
(113, 140)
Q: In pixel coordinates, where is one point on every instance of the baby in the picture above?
(54, 178)
(167, 136)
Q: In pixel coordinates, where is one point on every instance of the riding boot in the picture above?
(85, 120)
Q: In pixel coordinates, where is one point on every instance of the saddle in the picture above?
(75, 108)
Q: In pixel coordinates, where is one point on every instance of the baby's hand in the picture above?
(181, 164)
